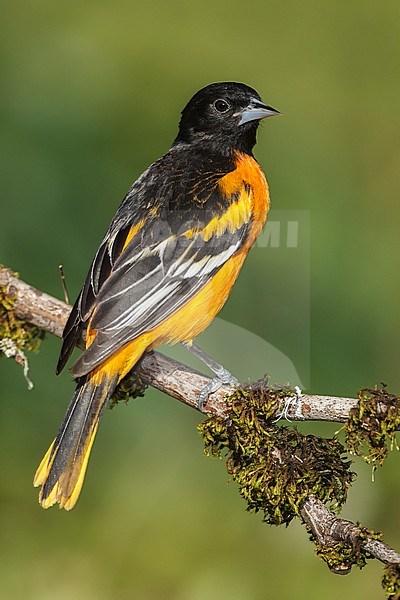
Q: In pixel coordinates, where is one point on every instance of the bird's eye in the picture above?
(222, 106)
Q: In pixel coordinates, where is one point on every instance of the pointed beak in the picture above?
(256, 111)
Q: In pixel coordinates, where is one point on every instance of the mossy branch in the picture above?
(339, 542)
(286, 474)
(334, 535)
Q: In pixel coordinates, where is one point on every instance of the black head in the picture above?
(225, 114)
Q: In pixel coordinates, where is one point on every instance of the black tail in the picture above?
(62, 470)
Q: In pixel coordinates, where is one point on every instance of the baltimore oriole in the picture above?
(164, 268)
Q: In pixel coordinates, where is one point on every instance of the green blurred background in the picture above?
(90, 95)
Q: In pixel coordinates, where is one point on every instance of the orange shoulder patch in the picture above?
(247, 187)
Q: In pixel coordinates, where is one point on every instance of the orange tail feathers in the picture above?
(62, 470)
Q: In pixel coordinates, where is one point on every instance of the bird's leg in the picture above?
(223, 376)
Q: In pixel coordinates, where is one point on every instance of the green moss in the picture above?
(371, 427)
(16, 335)
(276, 467)
(23, 335)
(131, 386)
(341, 556)
(391, 581)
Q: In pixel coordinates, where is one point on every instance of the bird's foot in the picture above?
(223, 377)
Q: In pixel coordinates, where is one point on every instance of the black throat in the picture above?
(242, 139)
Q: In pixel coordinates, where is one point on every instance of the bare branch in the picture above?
(31, 305)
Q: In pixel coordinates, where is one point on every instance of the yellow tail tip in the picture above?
(44, 468)
(67, 488)
(55, 496)
(49, 501)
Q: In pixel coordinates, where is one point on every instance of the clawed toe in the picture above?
(224, 378)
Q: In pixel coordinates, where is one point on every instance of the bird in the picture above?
(164, 268)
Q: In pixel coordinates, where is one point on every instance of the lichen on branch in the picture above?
(21, 333)
(371, 427)
(341, 556)
(131, 386)
(391, 582)
(16, 335)
(277, 468)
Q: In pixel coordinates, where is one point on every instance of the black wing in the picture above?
(131, 288)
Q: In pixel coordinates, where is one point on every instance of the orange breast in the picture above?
(249, 176)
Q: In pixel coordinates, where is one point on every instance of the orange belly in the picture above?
(196, 315)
